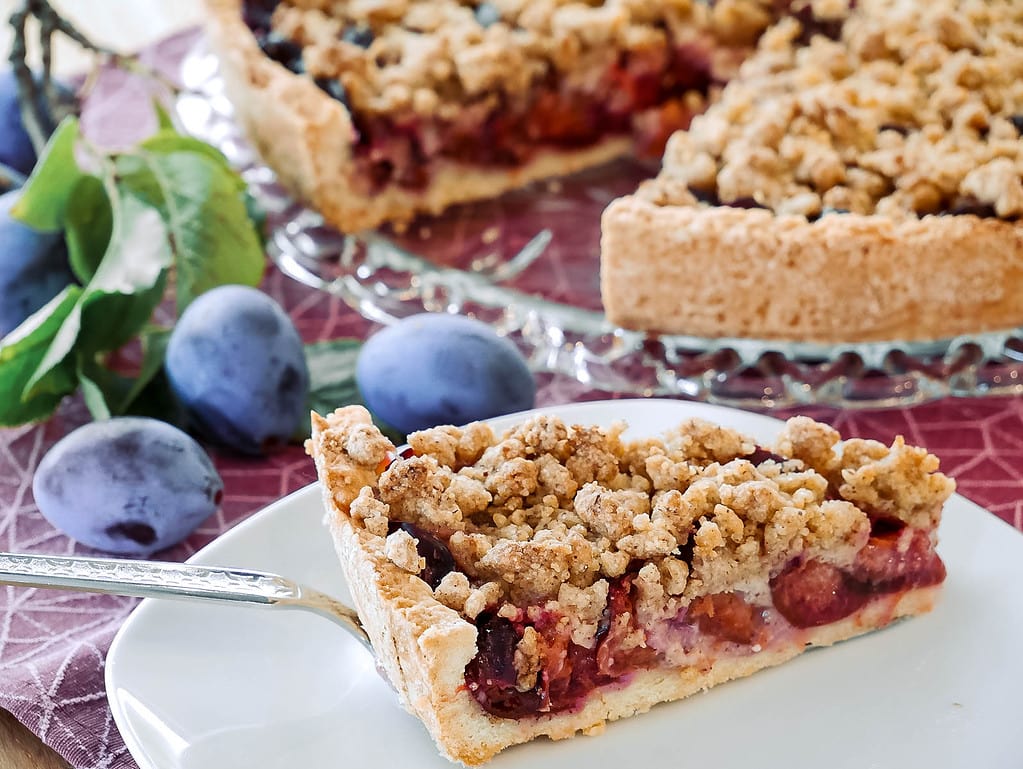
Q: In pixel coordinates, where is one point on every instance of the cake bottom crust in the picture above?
(731, 272)
(424, 648)
(450, 183)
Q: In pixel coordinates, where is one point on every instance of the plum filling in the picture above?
(641, 94)
(895, 558)
(402, 452)
(898, 559)
(491, 675)
(570, 671)
(813, 593)
(761, 455)
(806, 594)
(257, 15)
(439, 562)
(968, 204)
(727, 616)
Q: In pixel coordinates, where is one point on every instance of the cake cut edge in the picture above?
(308, 138)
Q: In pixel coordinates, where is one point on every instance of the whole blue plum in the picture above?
(130, 485)
(33, 267)
(16, 148)
(437, 369)
(237, 364)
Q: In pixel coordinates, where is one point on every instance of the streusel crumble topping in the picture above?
(917, 109)
(434, 57)
(549, 515)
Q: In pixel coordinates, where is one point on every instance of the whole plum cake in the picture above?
(859, 178)
(376, 110)
(557, 577)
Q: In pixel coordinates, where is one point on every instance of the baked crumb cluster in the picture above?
(547, 517)
(916, 109)
(445, 57)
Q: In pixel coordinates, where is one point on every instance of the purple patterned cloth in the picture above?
(53, 644)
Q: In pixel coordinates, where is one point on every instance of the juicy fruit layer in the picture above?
(648, 98)
(805, 594)
(649, 93)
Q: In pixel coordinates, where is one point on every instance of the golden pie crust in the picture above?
(732, 272)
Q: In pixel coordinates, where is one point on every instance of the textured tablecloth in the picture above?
(53, 644)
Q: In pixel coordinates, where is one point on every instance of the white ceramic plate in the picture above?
(211, 687)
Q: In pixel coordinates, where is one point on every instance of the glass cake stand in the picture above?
(528, 264)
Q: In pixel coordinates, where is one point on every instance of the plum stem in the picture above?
(33, 120)
(42, 104)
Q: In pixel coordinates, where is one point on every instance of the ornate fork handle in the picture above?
(155, 579)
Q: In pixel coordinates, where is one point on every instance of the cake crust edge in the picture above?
(842, 278)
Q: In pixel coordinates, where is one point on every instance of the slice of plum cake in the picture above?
(557, 577)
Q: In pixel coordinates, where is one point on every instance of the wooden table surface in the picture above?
(124, 25)
(20, 749)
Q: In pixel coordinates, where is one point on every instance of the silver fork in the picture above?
(157, 579)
